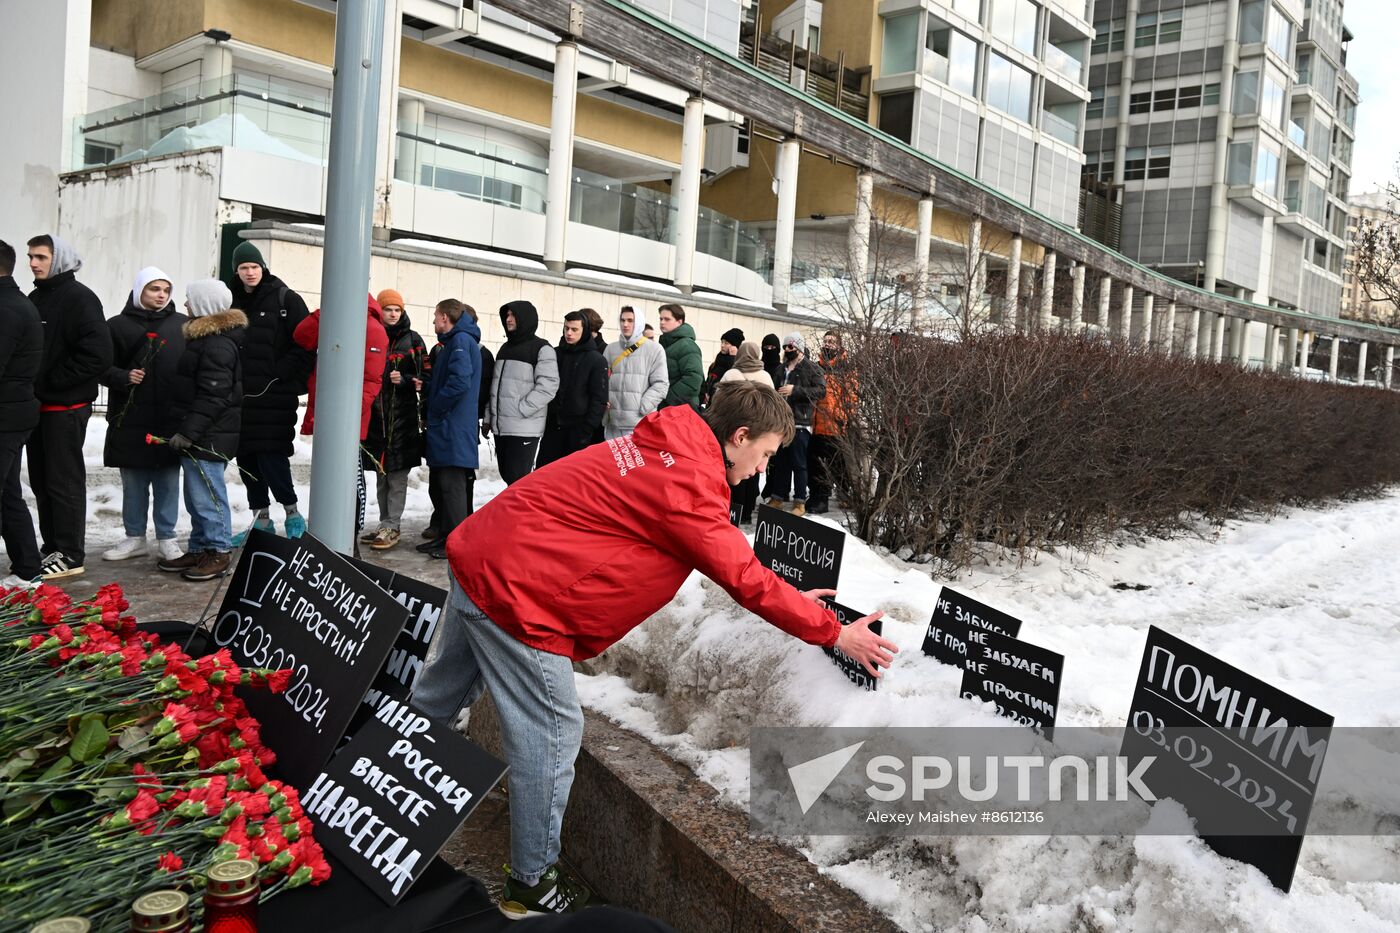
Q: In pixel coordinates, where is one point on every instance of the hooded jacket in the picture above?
(153, 341)
(772, 350)
(275, 368)
(525, 379)
(583, 384)
(453, 389)
(558, 571)
(77, 349)
(21, 352)
(308, 337)
(808, 387)
(637, 381)
(209, 383)
(395, 439)
(748, 365)
(684, 366)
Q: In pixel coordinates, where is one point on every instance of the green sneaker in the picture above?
(558, 892)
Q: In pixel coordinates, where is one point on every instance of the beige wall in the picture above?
(140, 27)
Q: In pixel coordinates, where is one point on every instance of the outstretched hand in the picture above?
(862, 645)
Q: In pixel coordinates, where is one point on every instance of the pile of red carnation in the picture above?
(127, 766)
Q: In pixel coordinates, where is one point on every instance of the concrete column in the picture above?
(1217, 338)
(1147, 335)
(1218, 220)
(1012, 315)
(1332, 362)
(1169, 329)
(1361, 364)
(1290, 349)
(1105, 301)
(789, 151)
(1304, 353)
(975, 271)
(386, 140)
(923, 234)
(1125, 87)
(1389, 365)
(688, 192)
(561, 155)
(858, 235)
(1191, 346)
(1239, 340)
(1271, 347)
(1125, 319)
(1047, 292)
(1076, 304)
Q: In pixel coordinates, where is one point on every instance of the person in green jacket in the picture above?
(683, 361)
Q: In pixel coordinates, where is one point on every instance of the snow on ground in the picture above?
(1305, 601)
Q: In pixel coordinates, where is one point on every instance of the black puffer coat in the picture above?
(395, 439)
(21, 352)
(275, 369)
(209, 383)
(148, 408)
(77, 350)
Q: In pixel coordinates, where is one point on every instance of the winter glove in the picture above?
(179, 443)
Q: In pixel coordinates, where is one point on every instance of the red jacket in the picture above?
(578, 553)
(308, 335)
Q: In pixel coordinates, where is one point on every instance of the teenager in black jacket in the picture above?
(576, 411)
(210, 393)
(77, 352)
(394, 444)
(21, 352)
(147, 340)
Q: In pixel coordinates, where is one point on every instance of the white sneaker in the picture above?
(168, 549)
(14, 582)
(131, 547)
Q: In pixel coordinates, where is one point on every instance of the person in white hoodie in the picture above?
(638, 379)
(147, 340)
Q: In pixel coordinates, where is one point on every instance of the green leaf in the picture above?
(62, 803)
(91, 739)
(132, 736)
(17, 764)
(60, 767)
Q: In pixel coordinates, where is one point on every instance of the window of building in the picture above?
(1140, 102)
(1252, 21)
(1154, 28)
(1246, 92)
(1169, 30)
(897, 115)
(1014, 21)
(1108, 37)
(1135, 164)
(814, 38)
(1211, 95)
(1159, 162)
(1146, 30)
(900, 52)
(972, 9)
(1303, 65)
(1266, 171)
(950, 57)
(1280, 35)
(1008, 87)
(1271, 103)
(1164, 99)
(1189, 96)
(1095, 109)
(1240, 166)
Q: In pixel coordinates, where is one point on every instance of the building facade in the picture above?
(1226, 127)
(1378, 208)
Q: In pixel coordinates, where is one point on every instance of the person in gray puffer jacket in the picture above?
(525, 380)
(637, 375)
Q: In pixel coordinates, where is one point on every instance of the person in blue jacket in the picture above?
(453, 390)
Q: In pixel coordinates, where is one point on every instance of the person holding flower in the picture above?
(394, 443)
(209, 400)
(147, 342)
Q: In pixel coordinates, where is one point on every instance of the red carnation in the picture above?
(170, 862)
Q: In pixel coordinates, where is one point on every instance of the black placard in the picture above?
(1022, 679)
(806, 554)
(425, 604)
(1263, 767)
(298, 604)
(736, 512)
(853, 669)
(954, 616)
(393, 796)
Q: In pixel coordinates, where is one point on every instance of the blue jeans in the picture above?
(164, 483)
(541, 721)
(788, 470)
(206, 499)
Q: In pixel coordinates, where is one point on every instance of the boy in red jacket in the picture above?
(542, 577)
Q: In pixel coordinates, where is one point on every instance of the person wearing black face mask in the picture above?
(803, 384)
(772, 357)
(829, 420)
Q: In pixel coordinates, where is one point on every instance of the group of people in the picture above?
(219, 381)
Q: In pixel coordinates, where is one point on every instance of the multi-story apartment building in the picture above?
(1373, 208)
(1227, 126)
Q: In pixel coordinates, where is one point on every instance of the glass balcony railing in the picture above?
(470, 167)
(1293, 204)
(244, 111)
(1063, 62)
(622, 207)
(1297, 135)
(734, 241)
(1060, 128)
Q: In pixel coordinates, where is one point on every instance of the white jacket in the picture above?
(636, 384)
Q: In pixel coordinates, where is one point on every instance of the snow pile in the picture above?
(1304, 602)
